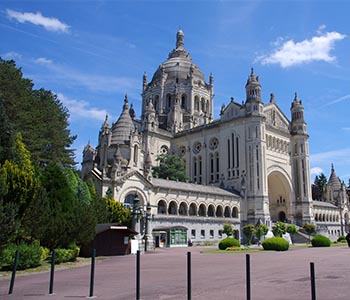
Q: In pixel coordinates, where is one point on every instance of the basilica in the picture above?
(250, 165)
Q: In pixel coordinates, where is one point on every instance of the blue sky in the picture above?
(92, 53)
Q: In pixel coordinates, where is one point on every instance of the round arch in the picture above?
(183, 211)
(162, 207)
(202, 211)
(193, 209)
(279, 191)
(211, 210)
(172, 209)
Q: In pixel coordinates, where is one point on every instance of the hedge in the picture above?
(65, 255)
(275, 243)
(30, 256)
(228, 242)
(320, 240)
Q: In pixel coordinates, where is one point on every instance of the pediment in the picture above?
(276, 119)
(231, 111)
(133, 176)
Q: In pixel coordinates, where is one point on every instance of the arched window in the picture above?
(136, 154)
(161, 207)
(227, 213)
(219, 211)
(156, 103)
(199, 169)
(211, 210)
(202, 104)
(235, 212)
(195, 169)
(183, 209)
(183, 101)
(193, 209)
(196, 103)
(217, 166)
(168, 99)
(202, 211)
(172, 210)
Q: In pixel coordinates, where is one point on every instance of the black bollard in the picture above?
(52, 273)
(248, 275)
(92, 275)
(188, 275)
(138, 275)
(313, 285)
(13, 276)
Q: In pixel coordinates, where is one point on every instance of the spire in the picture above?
(179, 51)
(126, 103)
(180, 39)
(132, 112)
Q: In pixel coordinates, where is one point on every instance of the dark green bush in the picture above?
(65, 255)
(228, 242)
(341, 239)
(275, 243)
(29, 256)
(320, 240)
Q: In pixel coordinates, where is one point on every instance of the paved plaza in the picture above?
(274, 275)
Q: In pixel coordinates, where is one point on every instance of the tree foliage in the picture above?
(228, 229)
(319, 187)
(117, 213)
(249, 231)
(278, 229)
(261, 230)
(170, 167)
(309, 228)
(37, 114)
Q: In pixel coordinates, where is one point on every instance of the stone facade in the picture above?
(250, 165)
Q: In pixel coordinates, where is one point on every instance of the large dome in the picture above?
(179, 66)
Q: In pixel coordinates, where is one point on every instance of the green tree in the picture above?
(228, 230)
(310, 229)
(261, 230)
(319, 187)
(37, 114)
(249, 231)
(278, 229)
(117, 213)
(170, 167)
(6, 135)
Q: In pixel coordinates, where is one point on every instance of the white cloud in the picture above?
(51, 24)
(340, 156)
(82, 109)
(43, 60)
(292, 53)
(11, 55)
(316, 171)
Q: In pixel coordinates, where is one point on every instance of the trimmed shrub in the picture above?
(341, 239)
(29, 256)
(228, 242)
(45, 252)
(275, 243)
(65, 255)
(320, 240)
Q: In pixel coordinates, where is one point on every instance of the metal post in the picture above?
(52, 273)
(188, 275)
(138, 275)
(248, 275)
(13, 276)
(92, 275)
(313, 285)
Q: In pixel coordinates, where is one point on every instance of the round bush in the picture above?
(320, 240)
(275, 243)
(228, 242)
(341, 239)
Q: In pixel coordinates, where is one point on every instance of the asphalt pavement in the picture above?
(163, 276)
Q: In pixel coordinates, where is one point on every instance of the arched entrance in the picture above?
(282, 216)
(279, 189)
